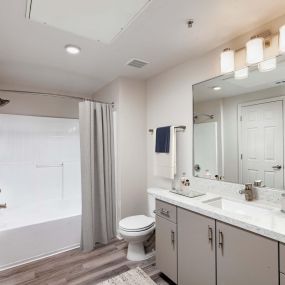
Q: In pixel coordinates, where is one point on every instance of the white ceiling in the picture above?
(32, 55)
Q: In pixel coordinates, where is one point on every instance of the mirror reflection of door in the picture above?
(206, 153)
(261, 143)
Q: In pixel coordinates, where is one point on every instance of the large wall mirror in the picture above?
(239, 127)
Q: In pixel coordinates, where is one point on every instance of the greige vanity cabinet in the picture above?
(282, 279)
(196, 249)
(245, 258)
(166, 239)
(192, 249)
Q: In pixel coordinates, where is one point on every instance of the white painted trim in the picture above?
(222, 140)
(38, 257)
(251, 103)
(239, 144)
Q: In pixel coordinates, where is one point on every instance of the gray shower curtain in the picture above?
(97, 174)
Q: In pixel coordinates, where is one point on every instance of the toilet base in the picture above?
(136, 252)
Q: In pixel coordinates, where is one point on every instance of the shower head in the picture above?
(4, 102)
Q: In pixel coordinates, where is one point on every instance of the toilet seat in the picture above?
(137, 223)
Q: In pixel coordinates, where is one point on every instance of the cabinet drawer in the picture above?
(166, 210)
(282, 258)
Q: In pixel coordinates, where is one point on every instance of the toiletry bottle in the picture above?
(175, 183)
(184, 182)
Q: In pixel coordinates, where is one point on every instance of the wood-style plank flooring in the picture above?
(74, 267)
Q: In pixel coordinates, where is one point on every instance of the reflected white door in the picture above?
(262, 143)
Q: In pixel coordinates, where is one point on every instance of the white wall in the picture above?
(169, 101)
(130, 104)
(38, 105)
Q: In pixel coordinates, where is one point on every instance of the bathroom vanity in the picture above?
(238, 137)
(202, 242)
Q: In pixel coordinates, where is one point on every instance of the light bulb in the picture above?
(254, 51)
(227, 61)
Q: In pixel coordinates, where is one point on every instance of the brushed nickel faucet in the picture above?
(248, 192)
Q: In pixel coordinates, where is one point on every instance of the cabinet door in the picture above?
(166, 248)
(245, 258)
(282, 279)
(196, 249)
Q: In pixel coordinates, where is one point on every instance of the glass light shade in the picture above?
(282, 39)
(227, 61)
(242, 73)
(254, 51)
(267, 65)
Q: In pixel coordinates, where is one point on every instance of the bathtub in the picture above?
(32, 232)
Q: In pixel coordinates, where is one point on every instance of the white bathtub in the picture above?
(31, 232)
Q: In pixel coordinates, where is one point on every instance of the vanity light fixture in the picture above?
(71, 49)
(241, 73)
(267, 65)
(217, 88)
(282, 39)
(254, 50)
(227, 61)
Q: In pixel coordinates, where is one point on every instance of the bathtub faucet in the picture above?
(3, 205)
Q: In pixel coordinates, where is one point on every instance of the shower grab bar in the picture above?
(49, 165)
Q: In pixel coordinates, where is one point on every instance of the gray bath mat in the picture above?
(132, 277)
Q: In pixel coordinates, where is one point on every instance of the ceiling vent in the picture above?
(137, 63)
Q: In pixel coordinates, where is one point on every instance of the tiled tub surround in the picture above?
(271, 225)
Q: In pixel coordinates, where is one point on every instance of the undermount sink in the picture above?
(238, 207)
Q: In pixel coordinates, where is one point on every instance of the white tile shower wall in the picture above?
(39, 159)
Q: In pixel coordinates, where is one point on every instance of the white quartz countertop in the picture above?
(271, 225)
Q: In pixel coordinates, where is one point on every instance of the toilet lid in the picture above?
(136, 223)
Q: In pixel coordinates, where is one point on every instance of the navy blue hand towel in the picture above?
(162, 140)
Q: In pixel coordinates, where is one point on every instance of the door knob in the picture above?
(277, 167)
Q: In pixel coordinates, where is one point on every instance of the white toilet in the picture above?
(136, 230)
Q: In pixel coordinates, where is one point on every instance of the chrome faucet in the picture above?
(3, 205)
(248, 192)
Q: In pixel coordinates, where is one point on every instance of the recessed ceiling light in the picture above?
(217, 88)
(72, 49)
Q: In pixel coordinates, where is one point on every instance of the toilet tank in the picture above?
(151, 205)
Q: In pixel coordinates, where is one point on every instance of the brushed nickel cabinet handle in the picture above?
(164, 212)
(221, 241)
(210, 235)
(172, 238)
